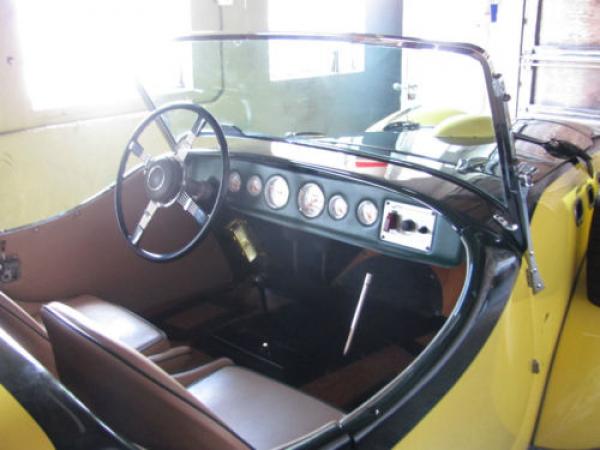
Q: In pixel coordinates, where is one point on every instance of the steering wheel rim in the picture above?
(133, 147)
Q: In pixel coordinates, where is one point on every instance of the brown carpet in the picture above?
(195, 316)
(354, 383)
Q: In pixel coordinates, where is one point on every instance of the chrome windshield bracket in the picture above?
(534, 278)
(504, 223)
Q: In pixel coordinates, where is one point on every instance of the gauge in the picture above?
(338, 207)
(235, 181)
(254, 185)
(367, 212)
(311, 200)
(277, 192)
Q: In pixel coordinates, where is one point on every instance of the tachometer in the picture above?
(277, 192)
(338, 207)
(367, 212)
(311, 200)
(235, 181)
(254, 185)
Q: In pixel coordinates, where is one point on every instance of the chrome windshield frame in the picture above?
(496, 93)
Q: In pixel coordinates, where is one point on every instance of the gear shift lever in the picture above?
(260, 283)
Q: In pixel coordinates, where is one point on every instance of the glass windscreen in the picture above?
(422, 106)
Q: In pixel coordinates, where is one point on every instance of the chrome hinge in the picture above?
(534, 279)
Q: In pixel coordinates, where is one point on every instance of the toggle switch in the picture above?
(391, 221)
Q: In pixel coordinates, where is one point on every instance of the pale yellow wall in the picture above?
(52, 160)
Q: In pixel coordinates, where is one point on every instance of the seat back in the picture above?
(127, 390)
(26, 331)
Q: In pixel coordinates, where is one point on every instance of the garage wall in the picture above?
(560, 73)
(52, 160)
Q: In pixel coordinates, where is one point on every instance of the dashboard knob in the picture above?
(408, 225)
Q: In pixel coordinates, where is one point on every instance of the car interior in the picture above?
(264, 315)
(244, 296)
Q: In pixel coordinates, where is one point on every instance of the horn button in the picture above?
(164, 178)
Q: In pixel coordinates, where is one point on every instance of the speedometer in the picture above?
(277, 192)
(311, 200)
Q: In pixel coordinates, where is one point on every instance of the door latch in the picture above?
(10, 266)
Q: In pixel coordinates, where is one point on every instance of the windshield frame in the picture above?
(496, 94)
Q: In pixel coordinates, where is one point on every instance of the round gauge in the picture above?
(367, 212)
(235, 181)
(254, 185)
(277, 192)
(338, 207)
(311, 200)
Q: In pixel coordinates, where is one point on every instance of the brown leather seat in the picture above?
(218, 405)
(117, 322)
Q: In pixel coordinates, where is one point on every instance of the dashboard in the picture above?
(350, 211)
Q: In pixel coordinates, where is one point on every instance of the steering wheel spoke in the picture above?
(137, 150)
(147, 215)
(186, 143)
(165, 178)
(192, 208)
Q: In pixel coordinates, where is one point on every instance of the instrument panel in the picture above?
(350, 211)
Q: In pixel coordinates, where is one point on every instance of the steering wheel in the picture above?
(165, 180)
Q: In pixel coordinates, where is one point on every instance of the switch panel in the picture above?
(408, 225)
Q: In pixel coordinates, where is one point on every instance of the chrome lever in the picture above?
(359, 305)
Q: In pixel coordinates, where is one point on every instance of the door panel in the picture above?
(83, 252)
(494, 405)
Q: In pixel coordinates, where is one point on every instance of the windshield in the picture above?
(422, 106)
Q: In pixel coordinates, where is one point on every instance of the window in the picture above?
(83, 52)
(315, 16)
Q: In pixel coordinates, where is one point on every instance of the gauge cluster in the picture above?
(346, 210)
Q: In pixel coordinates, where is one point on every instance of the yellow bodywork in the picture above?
(571, 415)
(18, 430)
(495, 403)
(466, 129)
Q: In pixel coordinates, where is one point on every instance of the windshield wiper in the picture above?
(402, 125)
(308, 134)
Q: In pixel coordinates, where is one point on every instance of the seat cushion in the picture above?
(263, 412)
(121, 324)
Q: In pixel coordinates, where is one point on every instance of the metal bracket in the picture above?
(10, 266)
(534, 278)
(525, 173)
(504, 223)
